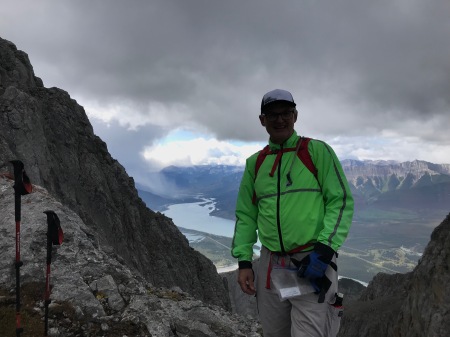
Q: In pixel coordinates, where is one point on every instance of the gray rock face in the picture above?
(92, 285)
(416, 304)
(16, 69)
(241, 303)
(52, 135)
(426, 310)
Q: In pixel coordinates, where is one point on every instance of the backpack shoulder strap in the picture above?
(259, 160)
(302, 153)
(305, 157)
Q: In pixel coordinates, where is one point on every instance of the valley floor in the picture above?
(360, 258)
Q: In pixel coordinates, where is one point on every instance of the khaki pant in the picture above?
(296, 317)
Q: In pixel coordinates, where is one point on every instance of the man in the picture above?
(302, 215)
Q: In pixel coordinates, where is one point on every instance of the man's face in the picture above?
(278, 118)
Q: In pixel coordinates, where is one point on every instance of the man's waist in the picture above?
(296, 249)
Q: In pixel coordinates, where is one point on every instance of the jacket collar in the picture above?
(290, 142)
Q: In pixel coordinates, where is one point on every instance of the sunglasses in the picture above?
(285, 115)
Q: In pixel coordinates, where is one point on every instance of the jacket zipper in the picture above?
(280, 236)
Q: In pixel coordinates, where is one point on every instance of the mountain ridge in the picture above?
(51, 133)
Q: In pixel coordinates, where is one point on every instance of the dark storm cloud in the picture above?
(358, 65)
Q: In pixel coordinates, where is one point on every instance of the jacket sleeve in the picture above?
(337, 197)
(245, 235)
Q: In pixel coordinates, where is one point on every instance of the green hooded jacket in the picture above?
(286, 216)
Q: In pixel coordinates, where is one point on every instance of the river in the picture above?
(196, 216)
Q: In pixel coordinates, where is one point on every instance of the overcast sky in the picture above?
(180, 82)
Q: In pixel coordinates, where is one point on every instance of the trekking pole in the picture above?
(22, 186)
(55, 236)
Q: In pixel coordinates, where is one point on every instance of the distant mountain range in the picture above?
(419, 188)
(381, 189)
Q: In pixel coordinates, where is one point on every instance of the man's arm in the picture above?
(337, 196)
(246, 216)
(338, 215)
(245, 235)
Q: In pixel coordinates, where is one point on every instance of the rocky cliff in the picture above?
(52, 135)
(94, 293)
(416, 304)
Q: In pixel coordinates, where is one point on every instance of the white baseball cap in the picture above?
(277, 95)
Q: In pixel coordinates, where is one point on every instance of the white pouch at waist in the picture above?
(287, 284)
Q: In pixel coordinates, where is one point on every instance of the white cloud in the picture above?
(200, 151)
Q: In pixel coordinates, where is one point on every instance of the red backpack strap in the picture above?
(302, 153)
(305, 157)
(259, 160)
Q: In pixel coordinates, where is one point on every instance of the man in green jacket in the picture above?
(302, 215)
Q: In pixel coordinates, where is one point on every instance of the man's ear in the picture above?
(295, 115)
(262, 120)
